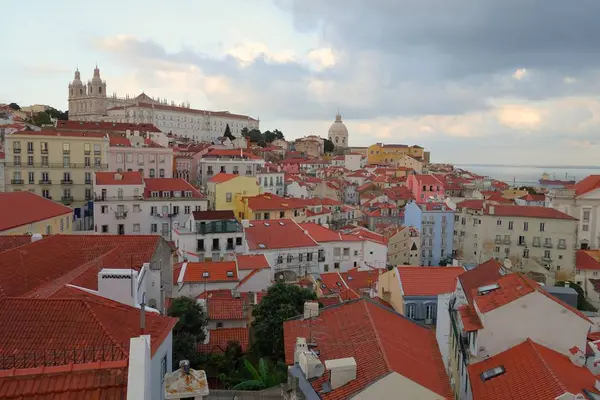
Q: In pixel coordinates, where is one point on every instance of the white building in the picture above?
(209, 235)
(91, 103)
(298, 190)
(352, 161)
(138, 154)
(582, 202)
(374, 247)
(271, 180)
(126, 203)
(338, 133)
(288, 248)
(228, 161)
(536, 239)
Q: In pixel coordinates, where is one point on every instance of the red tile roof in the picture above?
(231, 153)
(105, 126)
(277, 234)
(252, 261)
(226, 309)
(45, 266)
(364, 233)
(97, 380)
(534, 197)
(428, 281)
(380, 340)
(119, 178)
(67, 324)
(532, 372)
(9, 242)
(269, 202)
(482, 275)
(48, 132)
(587, 185)
(170, 185)
(360, 280)
(219, 339)
(222, 177)
(469, 318)
(18, 209)
(321, 234)
(470, 204)
(218, 271)
(528, 212)
(587, 260)
(512, 287)
(227, 294)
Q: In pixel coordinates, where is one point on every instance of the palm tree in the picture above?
(261, 379)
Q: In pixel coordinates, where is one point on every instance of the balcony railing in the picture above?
(66, 199)
(230, 247)
(100, 198)
(120, 214)
(45, 182)
(202, 249)
(497, 241)
(66, 182)
(215, 248)
(66, 151)
(548, 245)
(88, 182)
(522, 243)
(547, 258)
(29, 151)
(87, 152)
(536, 244)
(506, 241)
(17, 181)
(97, 152)
(44, 151)
(561, 246)
(17, 151)
(58, 165)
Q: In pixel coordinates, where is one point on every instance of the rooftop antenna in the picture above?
(143, 314)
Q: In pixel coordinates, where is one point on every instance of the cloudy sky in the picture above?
(495, 81)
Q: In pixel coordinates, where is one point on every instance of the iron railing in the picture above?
(56, 165)
(47, 358)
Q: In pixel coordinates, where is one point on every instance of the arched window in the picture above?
(337, 139)
(411, 310)
(80, 91)
(100, 90)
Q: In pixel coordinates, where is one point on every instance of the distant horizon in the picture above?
(528, 166)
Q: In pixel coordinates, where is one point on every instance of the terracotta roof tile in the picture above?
(428, 281)
(222, 177)
(371, 236)
(380, 340)
(587, 260)
(220, 338)
(24, 208)
(528, 212)
(170, 185)
(483, 274)
(277, 234)
(67, 324)
(586, 185)
(469, 318)
(119, 178)
(98, 380)
(226, 309)
(9, 242)
(270, 202)
(218, 271)
(252, 261)
(321, 234)
(532, 372)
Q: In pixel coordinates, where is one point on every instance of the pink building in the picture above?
(290, 166)
(139, 154)
(425, 186)
(186, 161)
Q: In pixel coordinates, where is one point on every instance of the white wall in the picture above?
(197, 288)
(533, 316)
(352, 161)
(346, 263)
(442, 328)
(396, 383)
(165, 350)
(258, 282)
(295, 190)
(227, 323)
(378, 258)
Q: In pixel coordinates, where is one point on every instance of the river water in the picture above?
(529, 175)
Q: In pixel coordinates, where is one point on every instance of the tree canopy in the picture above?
(228, 133)
(281, 302)
(192, 317)
(262, 138)
(14, 106)
(328, 146)
(263, 377)
(41, 119)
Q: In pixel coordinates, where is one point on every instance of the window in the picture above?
(66, 161)
(521, 240)
(120, 193)
(154, 228)
(542, 226)
(228, 197)
(176, 210)
(411, 311)
(163, 369)
(429, 312)
(119, 157)
(279, 259)
(510, 225)
(44, 161)
(136, 227)
(44, 147)
(290, 258)
(153, 210)
(546, 254)
(152, 173)
(238, 241)
(309, 256)
(586, 216)
(17, 161)
(499, 222)
(104, 209)
(562, 244)
(525, 253)
(187, 209)
(161, 159)
(129, 157)
(97, 161)
(161, 172)
(140, 158)
(282, 214)
(326, 267)
(46, 193)
(66, 148)
(86, 148)
(525, 226)
(585, 228)
(137, 208)
(497, 249)
(31, 177)
(62, 226)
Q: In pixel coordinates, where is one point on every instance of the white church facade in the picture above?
(90, 102)
(338, 133)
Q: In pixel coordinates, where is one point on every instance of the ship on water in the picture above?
(547, 183)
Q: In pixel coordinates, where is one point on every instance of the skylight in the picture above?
(487, 288)
(350, 278)
(205, 274)
(281, 223)
(230, 274)
(261, 246)
(339, 284)
(267, 224)
(492, 373)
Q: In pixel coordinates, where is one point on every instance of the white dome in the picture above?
(77, 80)
(338, 127)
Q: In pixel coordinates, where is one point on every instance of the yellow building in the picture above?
(389, 289)
(269, 206)
(25, 213)
(55, 165)
(512, 194)
(392, 154)
(223, 189)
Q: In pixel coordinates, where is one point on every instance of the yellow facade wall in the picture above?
(224, 194)
(379, 153)
(388, 289)
(45, 227)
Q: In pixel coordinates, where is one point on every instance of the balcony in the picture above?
(17, 151)
(120, 214)
(97, 153)
(215, 248)
(101, 198)
(58, 165)
(87, 152)
(547, 258)
(17, 182)
(29, 151)
(561, 246)
(230, 247)
(536, 244)
(45, 182)
(548, 245)
(522, 243)
(66, 152)
(506, 241)
(88, 182)
(66, 182)
(67, 199)
(201, 249)
(44, 151)
(497, 241)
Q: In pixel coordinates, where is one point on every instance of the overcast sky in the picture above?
(495, 81)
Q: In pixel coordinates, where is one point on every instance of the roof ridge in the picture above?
(377, 337)
(533, 346)
(86, 303)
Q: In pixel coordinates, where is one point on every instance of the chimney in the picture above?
(311, 309)
(139, 385)
(36, 237)
(301, 347)
(245, 223)
(491, 210)
(577, 356)
(341, 371)
(310, 365)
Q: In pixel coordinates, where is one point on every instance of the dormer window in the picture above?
(166, 194)
(188, 193)
(154, 194)
(230, 274)
(492, 373)
(177, 193)
(205, 274)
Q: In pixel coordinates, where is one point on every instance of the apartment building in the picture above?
(228, 161)
(55, 165)
(223, 190)
(26, 213)
(403, 246)
(209, 235)
(581, 201)
(125, 203)
(269, 206)
(435, 222)
(535, 239)
(271, 179)
(138, 154)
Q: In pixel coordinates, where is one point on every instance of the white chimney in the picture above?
(36, 237)
(577, 356)
(176, 224)
(341, 371)
(311, 365)
(138, 379)
(301, 347)
(246, 223)
(491, 210)
(119, 285)
(311, 309)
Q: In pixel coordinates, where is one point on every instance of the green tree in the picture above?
(192, 317)
(41, 119)
(245, 132)
(281, 302)
(328, 146)
(278, 134)
(185, 348)
(54, 113)
(14, 106)
(228, 133)
(264, 377)
(582, 303)
(255, 135)
(529, 189)
(269, 136)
